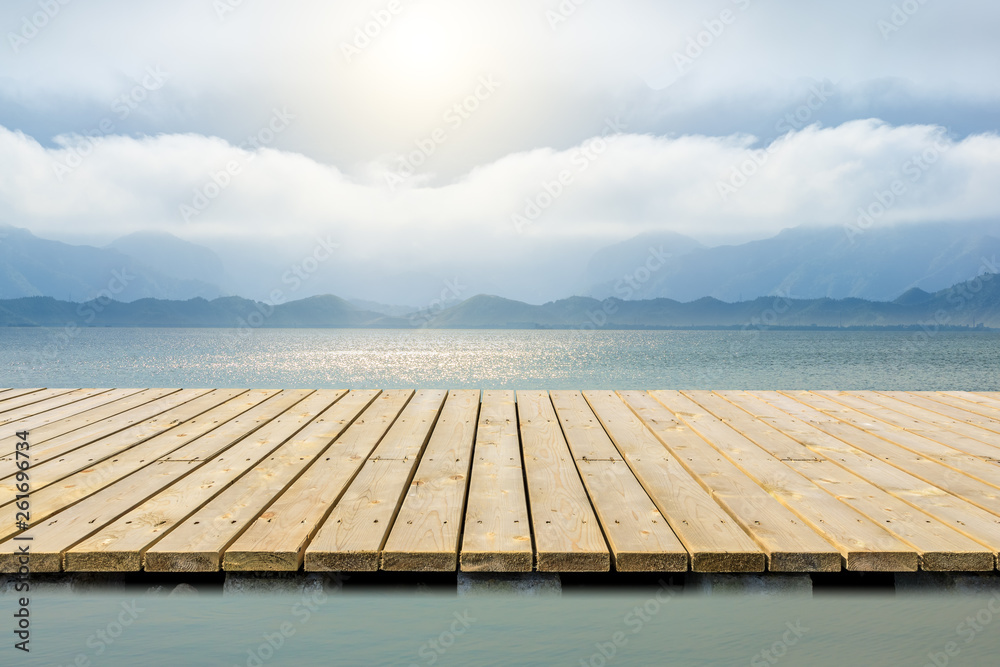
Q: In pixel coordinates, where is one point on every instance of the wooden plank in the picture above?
(568, 536)
(277, 539)
(50, 469)
(14, 393)
(48, 425)
(979, 401)
(53, 537)
(497, 533)
(584, 433)
(194, 547)
(948, 456)
(218, 458)
(63, 428)
(639, 537)
(958, 437)
(21, 398)
(352, 536)
(136, 424)
(40, 401)
(59, 490)
(99, 398)
(945, 478)
(953, 511)
(714, 540)
(197, 543)
(64, 404)
(940, 547)
(425, 535)
(864, 544)
(957, 399)
(790, 545)
(946, 411)
(945, 418)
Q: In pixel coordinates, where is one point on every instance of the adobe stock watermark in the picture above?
(432, 650)
(220, 180)
(105, 637)
(454, 117)
(959, 297)
(768, 318)
(634, 621)
(223, 8)
(970, 628)
(366, 33)
(33, 24)
(302, 611)
(87, 311)
(700, 42)
(628, 286)
(793, 121)
(551, 190)
(913, 169)
(452, 293)
(779, 649)
(899, 16)
(122, 107)
(562, 13)
(294, 277)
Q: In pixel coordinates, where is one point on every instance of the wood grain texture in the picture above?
(352, 536)
(101, 508)
(65, 482)
(197, 543)
(958, 513)
(943, 478)
(100, 398)
(426, 532)
(277, 539)
(962, 438)
(182, 480)
(713, 539)
(939, 547)
(128, 429)
(38, 401)
(790, 544)
(923, 447)
(46, 427)
(639, 537)
(568, 536)
(497, 534)
(864, 544)
(229, 444)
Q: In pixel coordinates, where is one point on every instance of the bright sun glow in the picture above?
(420, 52)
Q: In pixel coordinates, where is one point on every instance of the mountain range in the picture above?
(972, 303)
(877, 264)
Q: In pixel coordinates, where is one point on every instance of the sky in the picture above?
(507, 139)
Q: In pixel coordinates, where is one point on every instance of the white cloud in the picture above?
(612, 188)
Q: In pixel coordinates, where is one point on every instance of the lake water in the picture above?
(386, 626)
(634, 628)
(324, 358)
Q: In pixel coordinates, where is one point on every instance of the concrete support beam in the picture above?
(963, 583)
(526, 584)
(748, 584)
(304, 583)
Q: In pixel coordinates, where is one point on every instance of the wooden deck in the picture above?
(183, 480)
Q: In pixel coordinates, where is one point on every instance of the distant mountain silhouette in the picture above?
(31, 266)
(173, 257)
(804, 263)
(973, 303)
